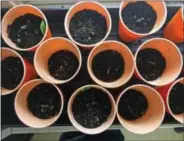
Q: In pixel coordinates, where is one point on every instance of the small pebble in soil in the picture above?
(25, 31)
(91, 108)
(63, 64)
(108, 65)
(88, 27)
(12, 72)
(150, 63)
(44, 101)
(139, 16)
(176, 99)
(132, 105)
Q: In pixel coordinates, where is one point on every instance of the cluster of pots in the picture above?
(157, 97)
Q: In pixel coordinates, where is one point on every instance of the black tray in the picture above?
(56, 23)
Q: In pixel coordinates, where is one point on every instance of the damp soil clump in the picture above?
(25, 31)
(139, 16)
(176, 99)
(88, 27)
(12, 72)
(91, 107)
(108, 66)
(44, 101)
(63, 64)
(151, 64)
(132, 105)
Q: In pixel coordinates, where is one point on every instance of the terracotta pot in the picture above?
(165, 93)
(90, 5)
(154, 115)
(173, 64)
(174, 30)
(99, 129)
(16, 12)
(128, 60)
(45, 51)
(22, 111)
(29, 71)
(128, 35)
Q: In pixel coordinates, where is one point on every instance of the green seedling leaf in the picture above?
(85, 89)
(43, 27)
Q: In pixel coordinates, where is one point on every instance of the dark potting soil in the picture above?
(12, 72)
(63, 64)
(44, 101)
(88, 27)
(150, 63)
(176, 99)
(140, 17)
(108, 65)
(25, 31)
(91, 108)
(132, 105)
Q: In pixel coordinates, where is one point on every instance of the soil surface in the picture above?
(91, 108)
(25, 31)
(140, 17)
(176, 99)
(63, 65)
(12, 72)
(108, 65)
(44, 101)
(151, 64)
(88, 27)
(132, 105)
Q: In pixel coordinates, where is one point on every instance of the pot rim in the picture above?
(143, 34)
(41, 81)
(97, 130)
(90, 71)
(24, 69)
(59, 81)
(168, 95)
(132, 87)
(43, 38)
(87, 45)
(149, 40)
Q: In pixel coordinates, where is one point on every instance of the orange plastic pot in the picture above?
(165, 93)
(89, 5)
(174, 30)
(128, 62)
(172, 55)
(101, 128)
(24, 114)
(46, 50)
(16, 12)
(154, 115)
(29, 71)
(128, 35)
